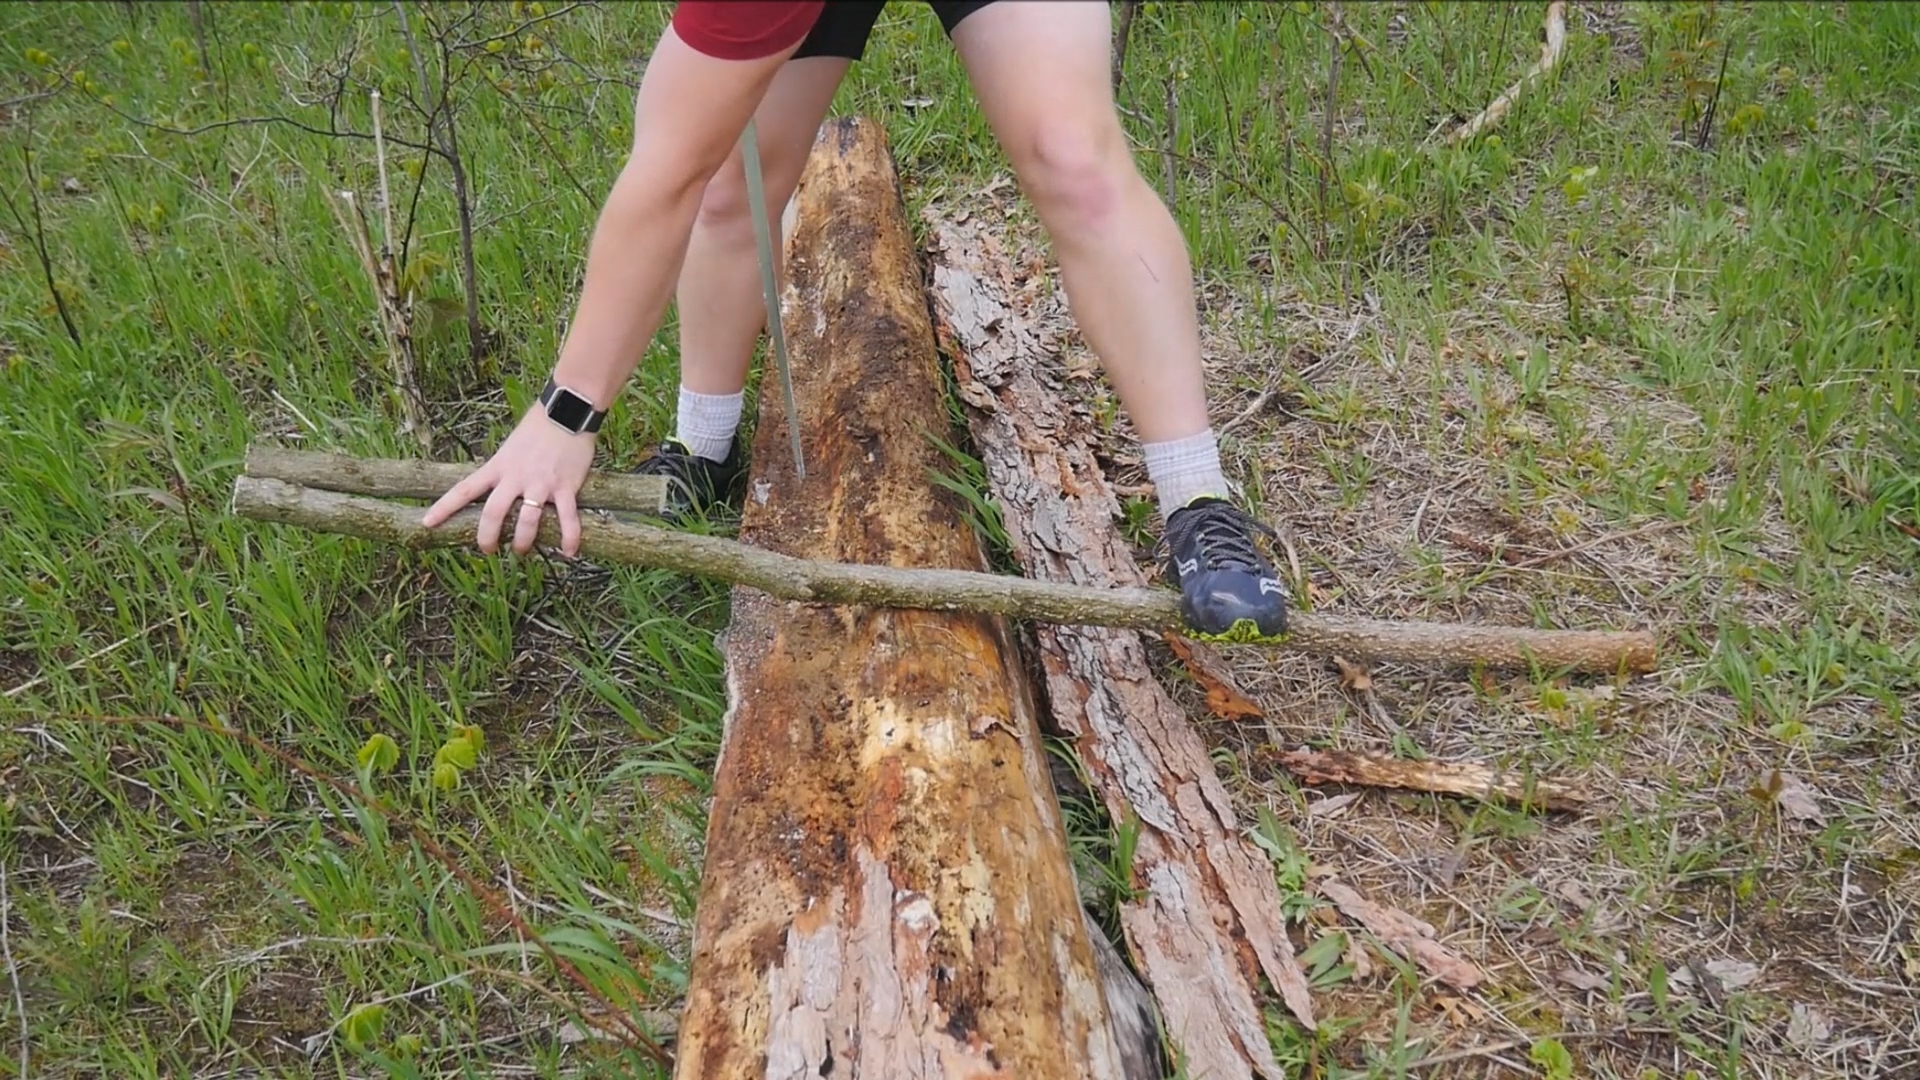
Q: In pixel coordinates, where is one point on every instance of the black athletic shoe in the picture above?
(697, 484)
(1228, 590)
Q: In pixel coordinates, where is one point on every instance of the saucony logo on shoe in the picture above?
(1229, 590)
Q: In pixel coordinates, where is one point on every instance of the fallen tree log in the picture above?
(935, 589)
(887, 891)
(1205, 925)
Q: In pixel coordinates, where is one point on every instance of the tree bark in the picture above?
(887, 891)
(1205, 926)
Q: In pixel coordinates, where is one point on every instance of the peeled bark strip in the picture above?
(887, 892)
(1411, 937)
(1553, 43)
(1440, 777)
(1207, 926)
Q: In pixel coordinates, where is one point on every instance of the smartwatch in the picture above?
(570, 410)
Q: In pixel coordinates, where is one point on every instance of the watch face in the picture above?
(569, 409)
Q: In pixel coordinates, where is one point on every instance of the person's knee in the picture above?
(724, 209)
(1075, 175)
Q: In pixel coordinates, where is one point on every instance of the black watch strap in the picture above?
(570, 410)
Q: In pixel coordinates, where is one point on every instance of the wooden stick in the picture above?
(401, 478)
(792, 578)
(1441, 777)
(1550, 50)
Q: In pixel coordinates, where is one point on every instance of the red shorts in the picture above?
(751, 29)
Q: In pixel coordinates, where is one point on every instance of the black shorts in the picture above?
(844, 26)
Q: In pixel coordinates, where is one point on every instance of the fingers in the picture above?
(531, 510)
(564, 506)
(492, 515)
(477, 483)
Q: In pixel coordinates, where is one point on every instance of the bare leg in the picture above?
(1041, 72)
(722, 310)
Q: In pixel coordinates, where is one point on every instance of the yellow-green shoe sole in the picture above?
(1242, 632)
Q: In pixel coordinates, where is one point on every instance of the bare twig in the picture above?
(107, 650)
(1259, 402)
(440, 130)
(1171, 140)
(554, 156)
(13, 972)
(394, 312)
(947, 590)
(1330, 109)
(1128, 8)
(1246, 186)
(1643, 530)
(254, 121)
(39, 232)
(516, 32)
(1713, 103)
(386, 196)
(1550, 50)
(200, 37)
(27, 99)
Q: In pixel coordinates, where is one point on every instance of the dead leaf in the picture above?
(1352, 675)
(1733, 974)
(1807, 1028)
(1794, 798)
(1082, 366)
(1461, 1013)
(1570, 891)
(1356, 958)
(1333, 806)
(1582, 980)
(1224, 699)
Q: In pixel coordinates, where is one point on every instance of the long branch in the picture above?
(791, 578)
(407, 478)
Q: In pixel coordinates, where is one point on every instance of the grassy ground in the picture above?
(1596, 370)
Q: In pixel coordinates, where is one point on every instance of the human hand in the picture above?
(540, 462)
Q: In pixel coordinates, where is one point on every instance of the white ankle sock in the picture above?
(707, 422)
(1182, 470)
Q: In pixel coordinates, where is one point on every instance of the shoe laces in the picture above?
(1221, 532)
(672, 459)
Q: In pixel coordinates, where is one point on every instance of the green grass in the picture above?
(1620, 328)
